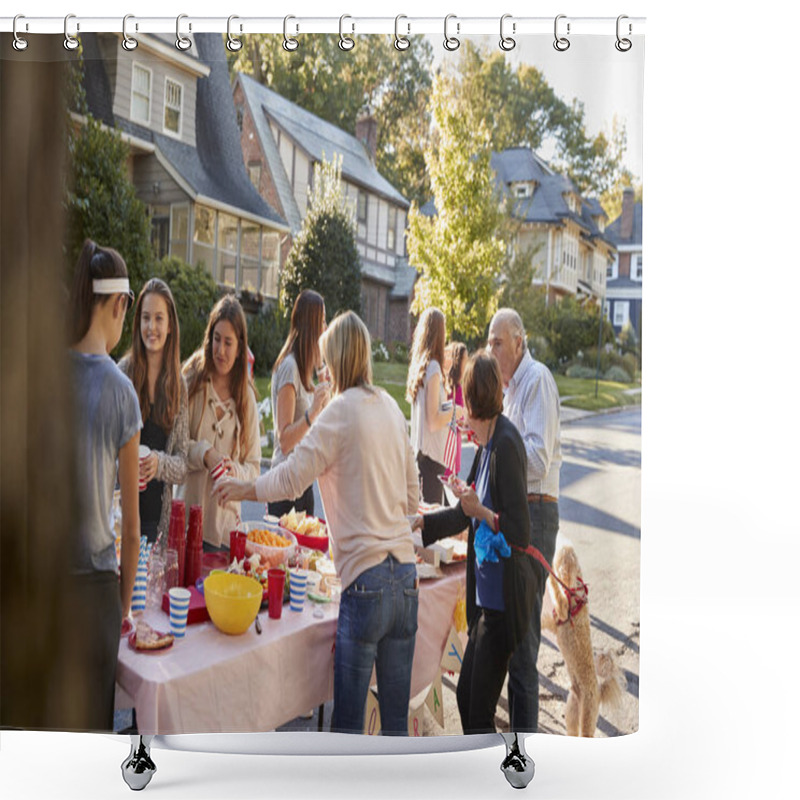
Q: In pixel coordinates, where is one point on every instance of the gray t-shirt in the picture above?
(107, 415)
(288, 373)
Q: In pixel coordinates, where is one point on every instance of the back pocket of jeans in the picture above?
(360, 615)
(410, 609)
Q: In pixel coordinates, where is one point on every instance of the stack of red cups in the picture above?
(194, 546)
(177, 536)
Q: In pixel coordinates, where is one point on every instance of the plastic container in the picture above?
(312, 542)
(270, 556)
(232, 601)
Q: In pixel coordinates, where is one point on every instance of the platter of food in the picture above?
(308, 531)
(146, 639)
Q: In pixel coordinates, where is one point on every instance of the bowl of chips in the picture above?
(308, 531)
(273, 548)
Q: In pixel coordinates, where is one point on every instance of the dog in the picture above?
(595, 680)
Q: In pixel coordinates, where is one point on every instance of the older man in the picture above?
(531, 403)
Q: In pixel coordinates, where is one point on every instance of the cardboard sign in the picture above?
(415, 716)
(453, 652)
(372, 715)
(434, 701)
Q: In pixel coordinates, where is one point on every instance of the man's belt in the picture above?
(542, 498)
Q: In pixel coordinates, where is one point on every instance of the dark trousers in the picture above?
(303, 503)
(523, 677)
(97, 606)
(483, 672)
(429, 471)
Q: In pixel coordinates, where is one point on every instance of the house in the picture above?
(175, 110)
(281, 142)
(563, 231)
(624, 294)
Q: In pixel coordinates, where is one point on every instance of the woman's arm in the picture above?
(445, 522)
(129, 491)
(435, 418)
(173, 468)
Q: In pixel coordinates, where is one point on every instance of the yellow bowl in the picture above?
(232, 601)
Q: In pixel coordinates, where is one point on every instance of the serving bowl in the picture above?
(232, 601)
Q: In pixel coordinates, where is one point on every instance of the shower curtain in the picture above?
(469, 178)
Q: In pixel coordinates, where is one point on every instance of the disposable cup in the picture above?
(178, 610)
(276, 580)
(238, 543)
(298, 580)
(218, 471)
(144, 451)
(334, 587)
(312, 585)
(172, 570)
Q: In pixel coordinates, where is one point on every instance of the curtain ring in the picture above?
(345, 42)
(507, 42)
(128, 42)
(561, 43)
(182, 42)
(451, 42)
(19, 43)
(233, 44)
(70, 42)
(401, 42)
(623, 45)
(289, 44)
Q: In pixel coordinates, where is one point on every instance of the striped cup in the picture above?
(178, 610)
(298, 579)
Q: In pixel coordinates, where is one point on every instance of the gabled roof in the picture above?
(636, 233)
(320, 138)
(215, 168)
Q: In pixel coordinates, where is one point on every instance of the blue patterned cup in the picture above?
(298, 580)
(178, 610)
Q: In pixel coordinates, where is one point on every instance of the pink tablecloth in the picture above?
(212, 683)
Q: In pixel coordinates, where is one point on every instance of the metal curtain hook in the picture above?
(19, 43)
(182, 42)
(401, 42)
(128, 42)
(70, 42)
(623, 45)
(346, 42)
(233, 44)
(561, 43)
(506, 42)
(289, 44)
(451, 42)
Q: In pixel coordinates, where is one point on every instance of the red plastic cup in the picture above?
(218, 471)
(238, 542)
(276, 579)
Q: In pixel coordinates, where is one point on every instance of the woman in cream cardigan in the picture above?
(223, 419)
(359, 450)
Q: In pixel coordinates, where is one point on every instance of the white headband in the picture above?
(111, 286)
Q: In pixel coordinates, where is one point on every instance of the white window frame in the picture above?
(164, 128)
(636, 273)
(622, 313)
(614, 274)
(134, 66)
(391, 230)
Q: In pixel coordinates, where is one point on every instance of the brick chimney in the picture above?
(626, 223)
(367, 132)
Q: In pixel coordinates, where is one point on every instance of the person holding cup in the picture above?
(107, 425)
(154, 366)
(296, 401)
(358, 449)
(223, 419)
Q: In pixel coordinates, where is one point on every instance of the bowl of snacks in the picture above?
(232, 601)
(308, 531)
(274, 549)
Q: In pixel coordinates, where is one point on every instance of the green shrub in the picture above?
(630, 363)
(195, 293)
(581, 371)
(266, 333)
(399, 352)
(379, 351)
(617, 374)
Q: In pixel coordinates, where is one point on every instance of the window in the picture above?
(612, 270)
(179, 231)
(270, 262)
(254, 171)
(239, 116)
(140, 94)
(621, 313)
(391, 233)
(204, 249)
(228, 242)
(522, 190)
(636, 272)
(362, 207)
(173, 107)
(159, 230)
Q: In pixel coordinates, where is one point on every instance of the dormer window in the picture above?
(141, 94)
(522, 189)
(173, 107)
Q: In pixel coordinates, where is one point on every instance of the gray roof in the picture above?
(406, 278)
(636, 234)
(215, 168)
(320, 138)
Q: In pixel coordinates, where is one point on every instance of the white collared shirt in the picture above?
(531, 402)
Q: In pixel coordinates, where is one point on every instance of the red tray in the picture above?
(197, 606)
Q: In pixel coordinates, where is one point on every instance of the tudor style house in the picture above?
(564, 232)
(281, 143)
(624, 295)
(175, 110)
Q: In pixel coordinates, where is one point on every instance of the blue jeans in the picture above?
(523, 677)
(377, 626)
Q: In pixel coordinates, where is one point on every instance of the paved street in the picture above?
(600, 510)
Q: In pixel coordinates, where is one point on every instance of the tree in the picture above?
(460, 251)
(324, 256)
(337, 86)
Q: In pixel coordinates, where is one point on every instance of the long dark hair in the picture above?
(93, 263)
(458, 352)
(168, 383)
(200, 364)
(428, 346)
(308, 320)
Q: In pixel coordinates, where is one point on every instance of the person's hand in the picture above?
(147, 467)
(322, 393)
(418, 523)
(228, 489)
(470, 504)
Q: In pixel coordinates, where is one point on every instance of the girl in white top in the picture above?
(425, 390)
(296, 402)
(360, 452)
(223, 420)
